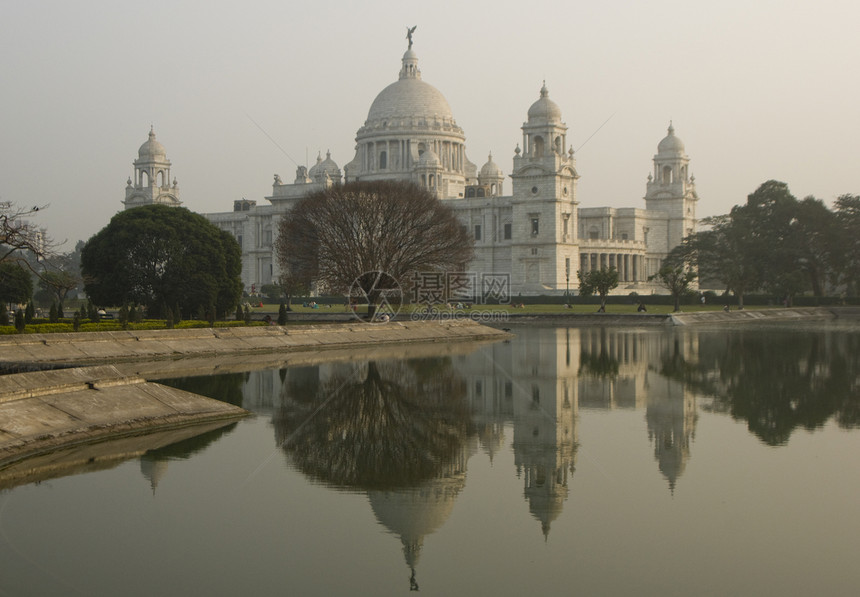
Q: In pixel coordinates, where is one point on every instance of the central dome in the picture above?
(408, 99)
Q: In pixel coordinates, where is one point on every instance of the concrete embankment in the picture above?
(772, 315)
(110, 347)
(68, 404)
(42, 411)
(759, 315)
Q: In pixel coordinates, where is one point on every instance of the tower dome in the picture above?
(544, 110)
(490, 169)
(152, 149)
(429, 159)
(670, 143)
(325, 167)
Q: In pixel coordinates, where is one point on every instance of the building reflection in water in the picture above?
(403, 431)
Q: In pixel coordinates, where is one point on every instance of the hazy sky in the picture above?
(758, 90)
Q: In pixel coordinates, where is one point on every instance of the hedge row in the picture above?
(66, 326)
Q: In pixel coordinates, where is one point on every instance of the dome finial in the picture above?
(409, 32)
(671, 128)
(544, 92)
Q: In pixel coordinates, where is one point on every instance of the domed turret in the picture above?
(152, 149)
(670, 143)
(490, 169)
(429, 159)
(151, 183)
(544, 110)
(325, 167)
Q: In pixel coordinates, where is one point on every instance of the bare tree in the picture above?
(19, 236)
(335, 236)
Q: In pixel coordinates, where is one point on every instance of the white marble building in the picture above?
(539, 233)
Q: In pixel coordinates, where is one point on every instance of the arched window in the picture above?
(558, 148)
(481, 192)
(667, 174)
(538, 146)
(144, 178)
(383, 160)
(493, 189)
(421, 149)
(159, 178)
(470, 192)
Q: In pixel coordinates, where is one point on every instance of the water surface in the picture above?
(586, 461)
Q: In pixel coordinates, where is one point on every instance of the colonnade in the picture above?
(631, 268)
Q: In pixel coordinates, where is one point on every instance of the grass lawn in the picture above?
(272, 309)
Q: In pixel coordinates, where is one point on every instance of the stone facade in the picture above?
(538, 234)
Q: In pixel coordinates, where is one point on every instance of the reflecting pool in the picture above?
(590, 461)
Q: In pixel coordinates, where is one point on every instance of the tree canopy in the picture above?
(334, 236)
(781, 245)
(598, 281)
(162, 257)
(16, 283)
(676, 274)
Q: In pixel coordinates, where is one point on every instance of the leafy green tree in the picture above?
(158, 256)
(122, 316)
(16, 283)
(726, 253)
(676, 274)
(30, 312)
(599, 282)
(847, 243)
(272, 291)
(772, 211)
(814, 229)
(19, 321)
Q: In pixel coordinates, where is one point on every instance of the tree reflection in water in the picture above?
(377, 425)
(396, 429)
(776, 386)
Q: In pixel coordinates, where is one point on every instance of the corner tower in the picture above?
(151, 182)
(672, 190)
(544, 251)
